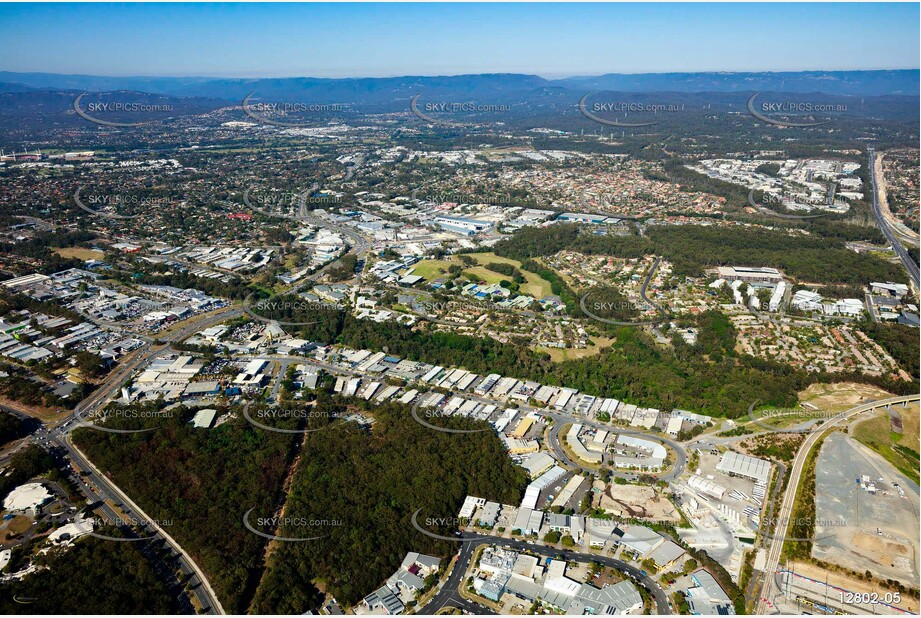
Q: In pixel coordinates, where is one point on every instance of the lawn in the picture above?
(536, 286)
(898, 449)
(433, 269)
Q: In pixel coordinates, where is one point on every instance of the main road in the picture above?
(100, 485)
(775, 542)
(887, 228)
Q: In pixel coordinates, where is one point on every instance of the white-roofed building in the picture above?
(736, 464)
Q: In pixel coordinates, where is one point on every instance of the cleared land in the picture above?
(80, 253)
(859, 529)
(899, 449)
(637, 501)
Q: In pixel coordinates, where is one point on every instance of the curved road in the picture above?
(449, 597)
(561, 419)
(104, 488)
(785, 511)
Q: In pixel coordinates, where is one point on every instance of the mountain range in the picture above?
(481, 86)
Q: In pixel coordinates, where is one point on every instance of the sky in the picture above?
(380, 40)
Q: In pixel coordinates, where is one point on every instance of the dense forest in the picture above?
(708, 377)
(362, 485)
(900, 341)
(815, 258)
(11, 427)
(39, 247)
(93, 577)
(363, 488)
(215, 476)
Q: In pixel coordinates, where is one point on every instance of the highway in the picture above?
(774, 542)
(449, 597)
(887, 229)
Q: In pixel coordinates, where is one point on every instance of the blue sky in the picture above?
(375, 40)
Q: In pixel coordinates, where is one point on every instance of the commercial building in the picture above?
(462, 225)
(666, 555)
(777, 296)
(895, 290)
(640, 540)
(639, 453)
(707, 598)
(203, 419)
(736, 464)
(582, 217)
(470, 505)
(750, 274)
(575, 443)
(489, 514)
(706, 486)
(538, 463)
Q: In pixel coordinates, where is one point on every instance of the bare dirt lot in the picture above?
(640, 501)
(868, 526)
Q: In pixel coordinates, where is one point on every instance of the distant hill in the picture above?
(385, 90)
(853, 83)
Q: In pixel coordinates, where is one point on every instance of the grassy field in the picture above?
(80, 253)
(433, 269)
(901, 450)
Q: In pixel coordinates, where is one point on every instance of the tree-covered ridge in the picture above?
(363, 488)
(215, 476)
(814, 258)
(708, 377)
(27, 463)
